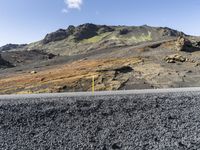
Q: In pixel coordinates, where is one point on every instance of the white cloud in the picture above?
(65, 11)
(74, 4)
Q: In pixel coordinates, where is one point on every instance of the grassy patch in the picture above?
(142, 38)
(132, 39)
(96, 39)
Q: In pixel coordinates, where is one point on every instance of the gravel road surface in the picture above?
(127, 120)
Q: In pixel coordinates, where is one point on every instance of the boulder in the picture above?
(183, 44)
(175, 58)
(50, 56)
(33, 72)
(196, 44)
(123, 31)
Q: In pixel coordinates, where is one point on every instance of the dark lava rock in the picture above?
(55, 36)
(25, 57)
(70, 30)
(123, 31)
(50, 56)
(116, 146)
(85, 31)
(11, 46)
(4, 63)
(196, 44)
(59, 35)
(41, 53)
(104, 29)
(160, 121)
(81, 32)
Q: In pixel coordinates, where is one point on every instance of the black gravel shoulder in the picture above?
(167, 121)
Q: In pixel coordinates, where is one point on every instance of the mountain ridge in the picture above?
(90, 36)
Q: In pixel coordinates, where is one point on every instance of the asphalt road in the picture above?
(129, 120)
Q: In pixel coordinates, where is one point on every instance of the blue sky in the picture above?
(24, 21)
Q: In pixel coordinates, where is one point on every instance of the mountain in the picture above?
(119, 57)
(86, 37)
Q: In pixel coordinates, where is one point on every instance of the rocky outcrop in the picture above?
(88, 30)
(104, 29)
(55, 36)
(170, 32)
(70, 30)
(123, 31)
(85, 31)
(11, 46)
(59, 35)
(175, 58)
(197, 44)
(81, 32)
(183, 44)
(4, 63)
(187, 45)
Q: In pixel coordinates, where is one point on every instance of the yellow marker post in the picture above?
(93, 84)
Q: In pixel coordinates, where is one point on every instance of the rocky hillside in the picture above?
(88, 37)
(119, 57)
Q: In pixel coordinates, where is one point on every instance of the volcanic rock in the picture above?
(55, 36)
(175, 58)
(11, 46)
(85, 31)
(70, 30)
(33, 72)
(123, 31)
(4, 63)
(182, 44)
